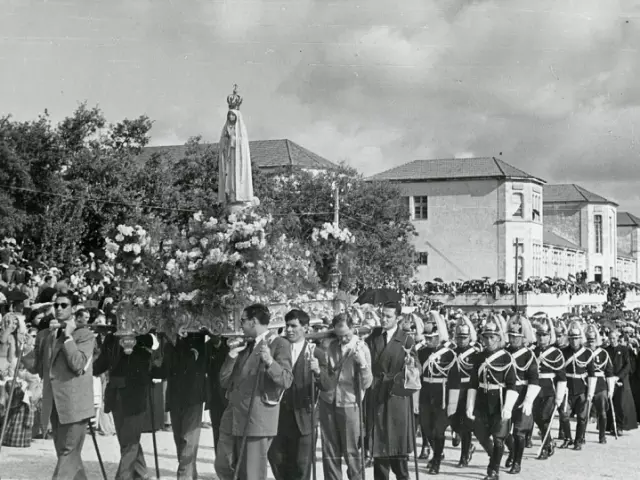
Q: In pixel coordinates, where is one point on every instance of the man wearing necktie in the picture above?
(291, 452)
(264, 371)
(65, 365)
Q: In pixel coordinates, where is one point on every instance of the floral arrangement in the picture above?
(332, 233)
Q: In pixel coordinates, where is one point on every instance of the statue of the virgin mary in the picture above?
(235, 184)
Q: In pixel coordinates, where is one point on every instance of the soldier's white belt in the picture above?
(464, 380)
(576, 375)
(522, 382)
(599, 374)
(490, 386)
(434, 380)
(549, 376)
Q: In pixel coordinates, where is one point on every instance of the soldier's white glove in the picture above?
(471, 403)
(509, 403)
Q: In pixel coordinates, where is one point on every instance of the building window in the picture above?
(423, 258)
(420, 205)
(536, 208)
(611, 235)
(517, 202)
(597, 276)
(597, 226)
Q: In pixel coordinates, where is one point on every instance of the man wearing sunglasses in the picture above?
(64, 362)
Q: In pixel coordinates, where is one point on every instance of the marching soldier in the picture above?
(561, 342)
(459, 378)
(526, 371)
(437, 359)
(492, 395)
(601, 382)
(577, 359)
(553, 383)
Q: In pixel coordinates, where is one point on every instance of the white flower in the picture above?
(119, 238)
(128, 247)
(211, 223)
(137, 260)
(125, 230)
(307, 253)
(255, 201)
(197, 216)
(136, 248)
(233, 218)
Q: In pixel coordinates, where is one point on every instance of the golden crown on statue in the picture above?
(234, 100)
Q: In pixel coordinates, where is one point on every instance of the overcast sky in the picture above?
(553, 85)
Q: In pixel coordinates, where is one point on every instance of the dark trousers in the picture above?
(68, 440)
(463, 426)
(291, 452)
(574, 404)
(542, 411)
(129, 430)
(340, 429)
(215, 414)
(254, 461)
(601, 407)
(491, 431)
(618, 411)
(186, 422)
(398, 465)
(434, 423)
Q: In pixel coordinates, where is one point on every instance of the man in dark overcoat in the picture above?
(127, 397)
(623, 403)
(391, 415)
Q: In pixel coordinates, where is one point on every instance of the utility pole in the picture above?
(336, 206)
(516, 244)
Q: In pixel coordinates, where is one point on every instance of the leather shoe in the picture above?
(509, 461)
(603, 440)
(567, 443)
(515, 469)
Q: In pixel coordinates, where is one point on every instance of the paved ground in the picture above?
(619, 459)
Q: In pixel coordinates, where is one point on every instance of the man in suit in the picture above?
(255, 377)
(127, 396)
(390, 413)
(345, 368)
(292, 450)
(64, 362)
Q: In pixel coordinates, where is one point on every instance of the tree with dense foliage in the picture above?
(64, 187)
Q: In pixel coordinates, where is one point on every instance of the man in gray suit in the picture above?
(267, 367)
(64, 362)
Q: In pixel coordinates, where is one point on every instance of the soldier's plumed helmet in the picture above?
(463, 330)
(543, 328)
(514, 328)
(491, 328)
(431, 327)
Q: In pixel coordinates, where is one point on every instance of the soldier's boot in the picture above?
(518, 451)
(424, 453)
(529, 443)
(510, 444)
(438, 447)
(465, 450)
(455, 440)
(566, 443)
(580, 432)
(496, 458)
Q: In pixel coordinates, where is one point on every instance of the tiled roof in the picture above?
(626, 219)
(454, 168)
(264, 154)
(551, 238)
(570, 192)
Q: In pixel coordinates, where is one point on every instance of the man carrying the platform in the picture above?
(459, 378)
(601, 382)
(577, 359)
(436, 359)
(127, 397)
(526, 370)
(492, 395)
(553, 383)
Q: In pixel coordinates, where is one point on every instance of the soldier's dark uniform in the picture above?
(553, 386)
(526, 371)
(459, 383)
(600, 382)
(436, 364)
(492, 390)
(576, 363)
